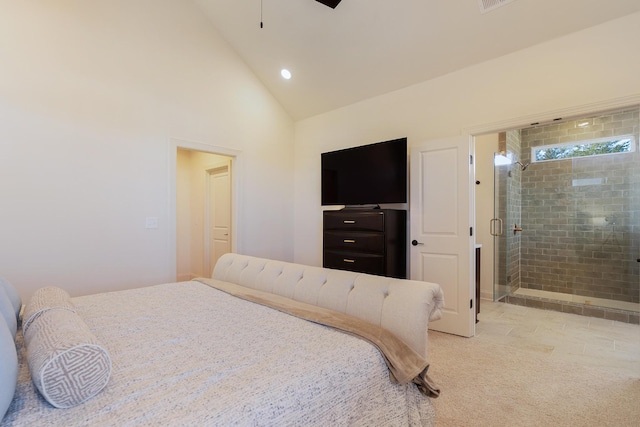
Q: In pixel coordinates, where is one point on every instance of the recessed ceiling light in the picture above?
(286, 74)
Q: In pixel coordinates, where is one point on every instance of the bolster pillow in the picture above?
(67, 363)
(45, 299)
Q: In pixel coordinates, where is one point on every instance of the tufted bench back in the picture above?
(403, 307)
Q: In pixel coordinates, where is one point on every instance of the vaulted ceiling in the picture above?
(365, 48)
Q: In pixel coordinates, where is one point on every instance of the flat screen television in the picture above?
(369, 174)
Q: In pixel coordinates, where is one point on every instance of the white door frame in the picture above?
(237, 162)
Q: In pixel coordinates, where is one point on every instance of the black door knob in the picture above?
(416, 243)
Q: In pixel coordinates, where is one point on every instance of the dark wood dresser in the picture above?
(369, 241)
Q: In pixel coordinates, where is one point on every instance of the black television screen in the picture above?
(369, 174)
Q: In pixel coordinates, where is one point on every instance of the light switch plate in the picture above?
(151, 222)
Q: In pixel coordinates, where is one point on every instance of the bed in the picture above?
(262, 342)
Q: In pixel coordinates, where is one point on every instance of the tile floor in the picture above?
(567, 303)
(582, 339)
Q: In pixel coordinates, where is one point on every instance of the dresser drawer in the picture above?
(354, 220)
(359, 262)
(354, 241)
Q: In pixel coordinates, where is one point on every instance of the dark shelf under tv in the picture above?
(371, 241)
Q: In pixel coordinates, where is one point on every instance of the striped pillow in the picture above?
(67, 363)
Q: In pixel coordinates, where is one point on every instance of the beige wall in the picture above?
(589, 67)
(91, 93)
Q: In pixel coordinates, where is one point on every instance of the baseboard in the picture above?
(486, 295)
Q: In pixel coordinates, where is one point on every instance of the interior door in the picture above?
(219, 196)
(441, 219)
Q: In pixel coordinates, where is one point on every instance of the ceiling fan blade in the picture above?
(331, 3)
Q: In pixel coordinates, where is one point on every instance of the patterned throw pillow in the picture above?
(67, 363)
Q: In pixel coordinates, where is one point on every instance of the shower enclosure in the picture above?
(567, 216)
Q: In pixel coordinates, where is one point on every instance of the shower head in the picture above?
(523, 166)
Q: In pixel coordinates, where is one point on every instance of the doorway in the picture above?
(204, 211)
(567, 198)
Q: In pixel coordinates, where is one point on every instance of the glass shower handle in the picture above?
(492, 226)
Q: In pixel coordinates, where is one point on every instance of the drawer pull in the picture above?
(349, 241)
(349, 221)
(349, 260)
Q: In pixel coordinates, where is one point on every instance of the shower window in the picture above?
(592, 147)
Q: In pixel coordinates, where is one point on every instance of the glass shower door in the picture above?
(498, 227)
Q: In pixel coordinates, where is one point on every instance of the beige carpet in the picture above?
(488, 384)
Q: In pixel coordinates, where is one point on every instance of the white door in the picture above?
(441, 245)
(219, 202)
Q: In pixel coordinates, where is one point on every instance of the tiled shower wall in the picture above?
(581, 217)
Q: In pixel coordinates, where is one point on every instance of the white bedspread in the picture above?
(187, 354)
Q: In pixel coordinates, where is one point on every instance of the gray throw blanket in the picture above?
(405, 365)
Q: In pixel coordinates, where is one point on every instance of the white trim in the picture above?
(236, 171)
(549, 116)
